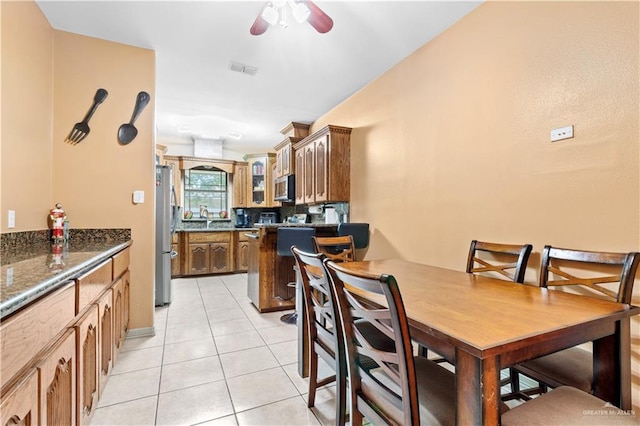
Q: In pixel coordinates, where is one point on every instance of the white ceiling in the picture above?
(301, 75)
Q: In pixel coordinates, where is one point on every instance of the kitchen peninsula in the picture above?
(64, 311)
(268, 273)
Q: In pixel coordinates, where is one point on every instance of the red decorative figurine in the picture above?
(57, 217)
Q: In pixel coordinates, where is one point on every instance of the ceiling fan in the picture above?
(275, 12)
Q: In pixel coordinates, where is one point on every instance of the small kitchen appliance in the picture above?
(242, 218)
(285, 189)
(268, 217)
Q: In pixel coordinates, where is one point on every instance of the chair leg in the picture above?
(341, 393)
(423, 351)
(313, 378)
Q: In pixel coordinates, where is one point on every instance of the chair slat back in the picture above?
(389, 403)
(508, 260)
(318, 301)
(338, 249)
(561, 267)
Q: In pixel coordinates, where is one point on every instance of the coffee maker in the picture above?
(242, 218)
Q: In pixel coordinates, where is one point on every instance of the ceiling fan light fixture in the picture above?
(300, 11)
(270, 14)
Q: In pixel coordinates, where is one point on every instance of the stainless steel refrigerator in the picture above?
(166, 216)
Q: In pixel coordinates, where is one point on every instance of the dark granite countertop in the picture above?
(302, 225)
(217, 229)
(41, 268)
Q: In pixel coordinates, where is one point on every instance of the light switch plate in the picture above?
(138, 197)
(11, 219)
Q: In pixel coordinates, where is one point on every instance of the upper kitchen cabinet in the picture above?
(285, 164)
(294, 133)
(240, 182)
(260, 180)
(322, 166)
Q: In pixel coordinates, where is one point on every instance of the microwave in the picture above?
(285, 189)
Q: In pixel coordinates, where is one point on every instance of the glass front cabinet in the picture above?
(260, 180)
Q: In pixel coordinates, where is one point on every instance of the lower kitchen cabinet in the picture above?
(56, 353)
(242, 253)
(105, 310)
(20, 405)
(219, 258)
(126, 312)
(57, 374)
(118, 317)
(198, 259)
(87, 357)
(216, 252)
(208, 253)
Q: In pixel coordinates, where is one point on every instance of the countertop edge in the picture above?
(53, 283)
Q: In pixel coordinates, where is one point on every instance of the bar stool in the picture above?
(286, 238)
(359, 232)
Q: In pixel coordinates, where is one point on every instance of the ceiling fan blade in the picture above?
(318, 19)
(259, 26)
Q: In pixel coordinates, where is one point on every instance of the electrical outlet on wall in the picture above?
(562, 133)
(11, 219)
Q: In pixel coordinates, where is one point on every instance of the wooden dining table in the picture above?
(485, 324)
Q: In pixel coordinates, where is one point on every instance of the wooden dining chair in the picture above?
(338, 249)
(497, 260)
(323, 333)
(595, 274)
(500, 261)
(506, 260)
(391, 386)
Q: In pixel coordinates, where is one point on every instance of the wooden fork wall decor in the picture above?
(81, 129)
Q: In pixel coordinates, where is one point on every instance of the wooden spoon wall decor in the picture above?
(128, 132)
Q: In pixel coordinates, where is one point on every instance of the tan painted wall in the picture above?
(453, 143)
(27, 115)
(49, 79)
(95, 179)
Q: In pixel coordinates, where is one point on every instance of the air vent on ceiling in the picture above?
(242, 68)
(207, 148)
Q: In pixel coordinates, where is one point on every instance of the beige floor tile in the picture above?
(130, 386)
(285, 352)
(291, 411)
(224, 421)
(185, 351)
(239, 341)
(231, 327)
(138, 412)
(188, 333)
(186, 318)
(325, 405)
(247, 361)
(131, 344)
(212, 286)
(220, 315)
(194, 405)
(137, 360)
(303, 383)
(259, 321)
(260, 388)
(186, 305)
(190, 373)
(279, 333)
(216, 301)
